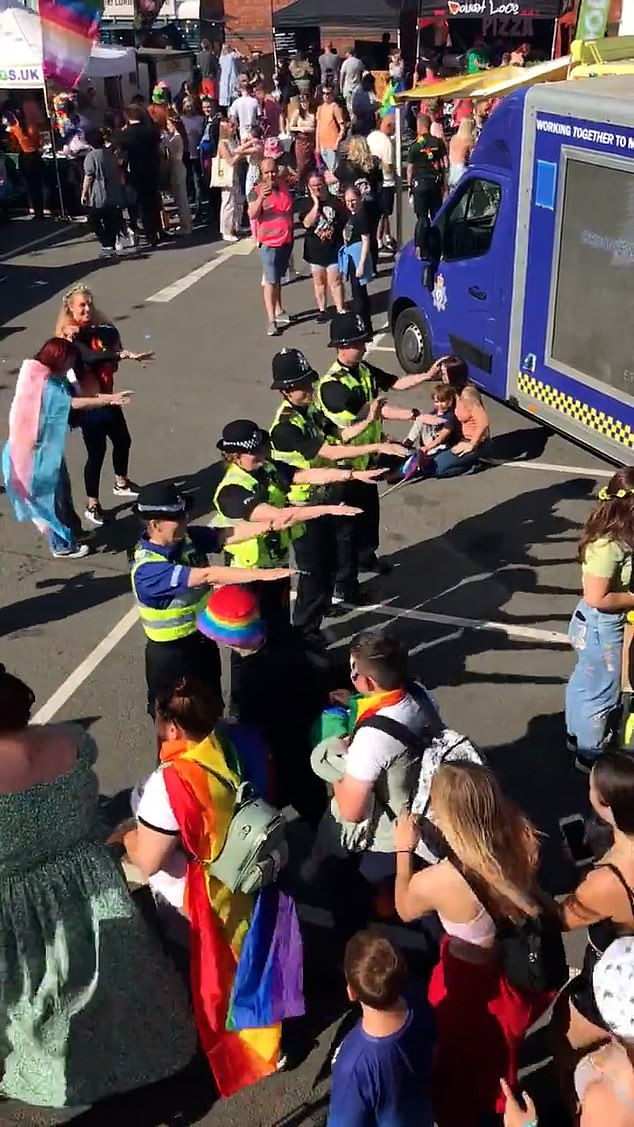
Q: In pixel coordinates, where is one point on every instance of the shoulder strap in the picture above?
(622, 881)
(399, 732)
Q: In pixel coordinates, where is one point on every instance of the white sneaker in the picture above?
(282, 318)
(95, 515)
(230, 238)
(121, 244)
(76, 553)
(127, 490)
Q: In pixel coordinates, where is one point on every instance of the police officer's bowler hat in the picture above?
(291, 369)
(347, 328)
(242, 436)
(162, 501)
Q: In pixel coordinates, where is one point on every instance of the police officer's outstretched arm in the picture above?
(217, 576)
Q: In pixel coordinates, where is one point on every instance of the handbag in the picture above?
(221, 173)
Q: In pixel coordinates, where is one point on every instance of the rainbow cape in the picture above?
(33, 453)
(69, 29)
(246, 951)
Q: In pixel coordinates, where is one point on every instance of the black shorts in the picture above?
(386, 200)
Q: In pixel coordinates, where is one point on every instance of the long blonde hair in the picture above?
(359, 153)
(65, 316)
(489, 834)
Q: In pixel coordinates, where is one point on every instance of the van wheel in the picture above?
(411, 339)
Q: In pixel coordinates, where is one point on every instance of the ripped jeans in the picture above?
(593, 691)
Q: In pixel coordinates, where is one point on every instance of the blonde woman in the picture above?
(99, 345)
(231, 200)
(490, 879)
(460, 148)
(176, 171)
(193, 125)
(360, 170)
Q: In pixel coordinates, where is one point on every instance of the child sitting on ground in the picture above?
(440, 428)
(381, 1071)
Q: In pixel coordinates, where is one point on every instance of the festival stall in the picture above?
(22, 72)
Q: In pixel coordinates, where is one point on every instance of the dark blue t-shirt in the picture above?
(384, 1081)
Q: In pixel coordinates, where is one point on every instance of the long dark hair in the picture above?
(613, 517)
(613, 778)
(457, 373)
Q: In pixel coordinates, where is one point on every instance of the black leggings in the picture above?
(360, 298)
(95, 435)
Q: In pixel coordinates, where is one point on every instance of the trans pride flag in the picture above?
(69, 29)
(246, 951)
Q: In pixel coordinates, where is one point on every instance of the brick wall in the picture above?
(248, 27)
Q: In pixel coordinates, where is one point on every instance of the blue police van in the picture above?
(530, 275)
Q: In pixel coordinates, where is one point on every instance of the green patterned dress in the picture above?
(89, 1006)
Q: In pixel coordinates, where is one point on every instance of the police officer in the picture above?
(299, 438)
(349, 393)
(254, 487)
(171, 579)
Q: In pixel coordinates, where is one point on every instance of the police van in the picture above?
(530, 276)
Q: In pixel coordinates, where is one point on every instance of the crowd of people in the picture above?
(410, 822)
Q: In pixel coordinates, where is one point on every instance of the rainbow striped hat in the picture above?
(231, 617)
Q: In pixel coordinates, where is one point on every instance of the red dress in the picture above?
(481, 1022)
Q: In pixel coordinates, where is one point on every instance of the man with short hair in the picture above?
(244, 110)
(269, 111)
(392, 721)
(350, 75)
(140, 142)
(382, 146)
(207, 64)
(426, 164)
(329, 66)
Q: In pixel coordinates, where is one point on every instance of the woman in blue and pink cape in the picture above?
(33, 465)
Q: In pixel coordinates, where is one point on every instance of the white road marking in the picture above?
(510, 629)
(244, 247)
(548, 467)
(86, 667)
(9, 254)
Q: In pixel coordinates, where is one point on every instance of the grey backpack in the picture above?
(255, 848)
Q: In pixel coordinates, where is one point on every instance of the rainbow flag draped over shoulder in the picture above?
(246, 951)
(33, 454)
(69, 29)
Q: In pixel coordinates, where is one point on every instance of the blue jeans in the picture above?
(329, 157)
(448, 464)
(65, 512)
(594, 688)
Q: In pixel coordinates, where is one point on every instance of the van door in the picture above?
(472, 284)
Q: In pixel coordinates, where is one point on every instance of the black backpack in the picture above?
(532, 952)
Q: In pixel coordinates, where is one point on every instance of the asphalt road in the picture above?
(485, 573)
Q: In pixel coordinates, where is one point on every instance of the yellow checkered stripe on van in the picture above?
(576, 409)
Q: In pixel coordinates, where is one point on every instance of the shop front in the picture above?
(456, 25)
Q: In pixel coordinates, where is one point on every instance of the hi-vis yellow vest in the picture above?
(270, 550)
(178, 620)
(310, 424)
(337, 373)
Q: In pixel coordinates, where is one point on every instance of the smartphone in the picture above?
(573, 831)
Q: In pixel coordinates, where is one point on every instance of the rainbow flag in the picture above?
(246, 951)
(69, 29)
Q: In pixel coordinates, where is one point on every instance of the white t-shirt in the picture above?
(382, 147)
(153, 810)
(245, 111)
(371, 751)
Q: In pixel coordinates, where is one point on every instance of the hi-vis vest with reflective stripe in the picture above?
(337, 373)
(178, 620)
(310, 425)
(270, 550)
